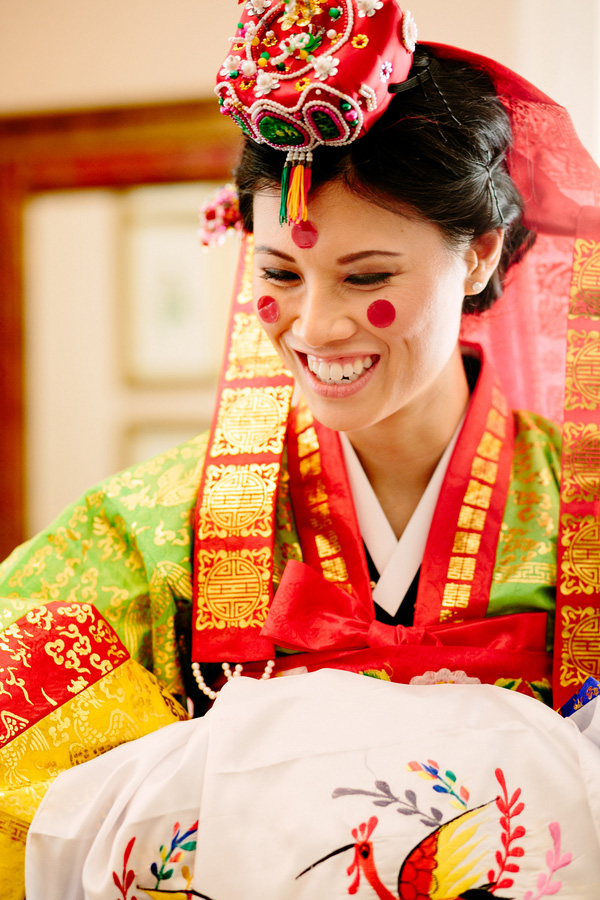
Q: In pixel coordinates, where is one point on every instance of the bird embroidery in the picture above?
(445, 865)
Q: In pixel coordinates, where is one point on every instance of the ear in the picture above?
(482, 258)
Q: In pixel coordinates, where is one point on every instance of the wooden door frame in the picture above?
(116, 147)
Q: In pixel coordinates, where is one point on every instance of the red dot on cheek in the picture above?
(268, 309)
(305, 235)
(381, 313)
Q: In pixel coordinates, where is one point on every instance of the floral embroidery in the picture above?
(231, 64)
(430, 771)
(438, 861)
(124, 883)
(385, 72)
(325, 66)
(368, 7)
(444, 676)
(381, 674)
(447, 782)
(257, 7)
(509, 809)
(220, 214)
(180, 843)
(265, 83)
(555, 861)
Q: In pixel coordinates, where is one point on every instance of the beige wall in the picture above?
(69, 53)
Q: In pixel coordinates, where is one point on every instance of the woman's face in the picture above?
(355, 367)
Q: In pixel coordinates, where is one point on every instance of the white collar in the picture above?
(396, 561)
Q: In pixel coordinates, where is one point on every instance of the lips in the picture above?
(344, 371)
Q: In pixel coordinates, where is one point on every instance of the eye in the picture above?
(280, 276)
(369, 278)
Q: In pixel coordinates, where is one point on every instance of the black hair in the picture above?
(439, 151)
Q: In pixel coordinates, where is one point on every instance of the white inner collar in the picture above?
(397, 561)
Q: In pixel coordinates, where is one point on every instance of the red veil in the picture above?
(526, 331)
(544, 338)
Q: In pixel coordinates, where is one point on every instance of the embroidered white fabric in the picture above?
(282, 774)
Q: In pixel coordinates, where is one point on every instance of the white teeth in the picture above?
(335, 373)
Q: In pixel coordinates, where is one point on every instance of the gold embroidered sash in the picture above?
(577, 633)
(235, 522)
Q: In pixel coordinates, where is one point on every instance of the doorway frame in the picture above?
(116, 147)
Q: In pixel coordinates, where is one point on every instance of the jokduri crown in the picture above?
(307, 73)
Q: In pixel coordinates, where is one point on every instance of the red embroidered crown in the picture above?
(307, 73)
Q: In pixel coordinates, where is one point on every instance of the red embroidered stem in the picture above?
(509, 809)
(128, 875)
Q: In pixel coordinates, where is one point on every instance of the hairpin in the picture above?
(219, 215)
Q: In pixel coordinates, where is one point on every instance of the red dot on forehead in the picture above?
(305, 235)
(381, 313)
(268, 309)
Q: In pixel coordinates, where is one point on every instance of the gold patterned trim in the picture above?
(581, 463)
(250, 419)
(580, 539)
(234, 588)
(456, 596)
(580, 644)
(251, 354)
(584, 298)
(537, 573)
(583, 370)
(473, 511)
(237, 500)
(466, 542)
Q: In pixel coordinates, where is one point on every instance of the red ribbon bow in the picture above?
(312, 614)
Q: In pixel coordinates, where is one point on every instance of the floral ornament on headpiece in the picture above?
(220, 214)
(302, 74)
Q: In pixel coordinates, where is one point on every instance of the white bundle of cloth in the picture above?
(332, 784)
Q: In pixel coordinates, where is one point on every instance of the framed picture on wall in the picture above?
(146, 440)
(174, 297)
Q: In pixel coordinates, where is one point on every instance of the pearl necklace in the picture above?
(229, 675)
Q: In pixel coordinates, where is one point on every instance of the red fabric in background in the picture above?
(524, 335)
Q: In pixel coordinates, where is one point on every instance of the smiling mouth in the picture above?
(339, 372)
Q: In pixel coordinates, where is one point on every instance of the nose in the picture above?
(323, 318)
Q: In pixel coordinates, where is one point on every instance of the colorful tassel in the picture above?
(285, 186)
(295, 185)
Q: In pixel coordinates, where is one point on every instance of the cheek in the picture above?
(381, 313)
(268, 309)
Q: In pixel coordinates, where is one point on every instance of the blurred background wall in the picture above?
(92, 405)
(65, 53)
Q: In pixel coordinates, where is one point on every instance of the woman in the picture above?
(366, 278)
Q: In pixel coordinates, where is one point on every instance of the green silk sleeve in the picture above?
(125, 547)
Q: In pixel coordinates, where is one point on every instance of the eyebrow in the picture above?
(273, 252)
(342, 261)
(363, 254)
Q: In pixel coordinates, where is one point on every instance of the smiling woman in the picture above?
(371, 496)
(411, 370)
